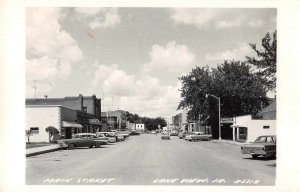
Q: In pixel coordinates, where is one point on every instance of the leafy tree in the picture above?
(150, 123)
(241, 92)
(51, 131)
(266, 60)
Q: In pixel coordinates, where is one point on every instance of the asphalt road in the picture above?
(148, 160)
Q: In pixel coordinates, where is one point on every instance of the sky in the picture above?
(131, 58)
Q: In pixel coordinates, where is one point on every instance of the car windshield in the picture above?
(260, 140)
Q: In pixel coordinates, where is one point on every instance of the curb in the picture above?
(42, 152)
(228, 142)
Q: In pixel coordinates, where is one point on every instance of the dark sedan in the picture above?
(80, 140)
(262, 146)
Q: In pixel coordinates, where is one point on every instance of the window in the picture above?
(269, 140)
(85, 109)
(34, 130)
(266, 127)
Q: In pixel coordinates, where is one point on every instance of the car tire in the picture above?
(91, 146)
(97, 145)
(255, 156)
(71, 146)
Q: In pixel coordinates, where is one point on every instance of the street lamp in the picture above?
(206, 96)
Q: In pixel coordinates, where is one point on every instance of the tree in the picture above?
(51, 131)
(28, 134)
(266, 61)
(240, 91)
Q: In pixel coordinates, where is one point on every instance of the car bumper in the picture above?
(62, 145)
(256, 152)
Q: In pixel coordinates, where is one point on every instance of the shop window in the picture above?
(266, 127)
(85, 109)
(34, 130)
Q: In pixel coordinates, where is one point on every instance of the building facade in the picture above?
(73, 114)
(89, 104)
(247, 128)
(39, 117)
(140, 127)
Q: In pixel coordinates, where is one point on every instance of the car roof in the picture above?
(84, 134)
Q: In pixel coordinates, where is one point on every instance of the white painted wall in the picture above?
(255, 127)
(42, 117)
(140, 127)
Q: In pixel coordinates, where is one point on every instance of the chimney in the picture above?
(81, 102)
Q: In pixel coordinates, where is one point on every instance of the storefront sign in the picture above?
(227, 120)
(94, 121)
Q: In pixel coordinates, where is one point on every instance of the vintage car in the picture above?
(182, 135)
(174, 133)
(165, 135)
(102, 138)
(198, 136)
(111, 138)
(124, 133)
(80, 140)
(134, 132)
(263, 146)
(118, 136)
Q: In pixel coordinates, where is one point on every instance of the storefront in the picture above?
(69, 129)
(247, 129)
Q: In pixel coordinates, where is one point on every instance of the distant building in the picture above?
(114, 119)
(140, 127)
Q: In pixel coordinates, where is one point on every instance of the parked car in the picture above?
(263, 146)
(111, 138)
(165, 135)
(133, 132)
(198, 136)
(153, 132)
(103, 139)
(124, 133)
(80, 140)
(182, 135)
(118, 136)
(174, 133)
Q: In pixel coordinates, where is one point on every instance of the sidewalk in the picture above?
(228, 142)
(41, 150)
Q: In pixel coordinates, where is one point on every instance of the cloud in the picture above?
(100, 17)
(145, 96)
(198, 17)
(49, 47)
(239, 53)
(214, 18)
(172, 57)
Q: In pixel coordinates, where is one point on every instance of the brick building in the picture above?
(87, 111)
(91, 104)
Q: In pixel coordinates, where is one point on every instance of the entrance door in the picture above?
(68, 133)
(243, 133)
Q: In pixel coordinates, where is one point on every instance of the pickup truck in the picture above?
(198, 136)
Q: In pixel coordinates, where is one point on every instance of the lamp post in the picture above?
(126, 121)
(219, 112)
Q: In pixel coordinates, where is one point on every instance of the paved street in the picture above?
(148, 160)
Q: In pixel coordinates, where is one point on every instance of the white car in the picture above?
(198, 136)
(111, 138)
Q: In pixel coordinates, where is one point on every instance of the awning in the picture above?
(71, 124)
